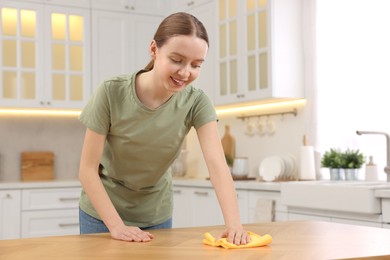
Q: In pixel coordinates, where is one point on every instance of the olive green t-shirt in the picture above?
(140, 147)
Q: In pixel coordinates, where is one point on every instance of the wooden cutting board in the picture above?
(229, 144)
(37, 166)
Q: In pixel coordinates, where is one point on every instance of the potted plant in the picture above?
(353, 160)
(333, 159)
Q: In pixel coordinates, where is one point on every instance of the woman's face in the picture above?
(178, 62)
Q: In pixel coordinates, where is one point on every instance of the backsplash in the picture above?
(61, 135)
(64, 136)
(287, 139)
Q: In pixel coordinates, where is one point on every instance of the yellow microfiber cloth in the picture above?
(256, 241)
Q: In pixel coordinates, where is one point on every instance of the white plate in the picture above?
(271, 168)
(289, 162)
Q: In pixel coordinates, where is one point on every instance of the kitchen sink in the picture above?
(344, 196)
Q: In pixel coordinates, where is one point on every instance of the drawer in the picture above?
(50, 223)
(58, 198)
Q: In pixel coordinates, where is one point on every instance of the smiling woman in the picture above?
(353, 58)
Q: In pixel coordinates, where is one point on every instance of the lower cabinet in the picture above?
(10, 214)
(50, 212)
(37, 212)
(195, 206)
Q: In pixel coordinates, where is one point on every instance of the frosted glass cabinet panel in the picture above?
(261, 53)
(18, 47)
(228, 47)
(44, 55)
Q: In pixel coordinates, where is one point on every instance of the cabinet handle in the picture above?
(7, 196)
(190, 3)
(68, 224)
(177, 191)
(240, 95)
(48, 102)
(201, 193)
(42, 103)
(68, 199)
(129, 7)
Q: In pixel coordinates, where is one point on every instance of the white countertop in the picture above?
(240, 185)
(39, 184)
(247, 185)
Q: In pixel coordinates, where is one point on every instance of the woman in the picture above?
(135, 127)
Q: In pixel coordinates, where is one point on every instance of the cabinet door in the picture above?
(21, 54)
(181, 207)
(205, 208)
(242, 197)
(265, 206)
(141, 34)
(71, 3)
(156, 7)
(207, 78)
(186, 5)
(10, 214)
(50, 223)
(111, 45)
(67, 70)
(228, 57)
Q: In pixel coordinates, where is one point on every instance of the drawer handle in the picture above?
(202, 193)
(68, 225)
(68, 199)
(177, 191)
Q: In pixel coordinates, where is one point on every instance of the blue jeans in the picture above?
(90, 225)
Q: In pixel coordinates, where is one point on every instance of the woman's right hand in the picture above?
(131, 234)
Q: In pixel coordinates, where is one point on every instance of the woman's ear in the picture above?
(153, 49)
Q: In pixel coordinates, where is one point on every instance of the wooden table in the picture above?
(291, 240)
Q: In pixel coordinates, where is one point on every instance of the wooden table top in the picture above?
(291, 240)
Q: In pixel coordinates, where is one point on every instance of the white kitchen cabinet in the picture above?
(181, 207)
(260, 51)
(44, 51)
(186, 5)
(265, 206)
(120, 43)
(10, 206)
(357, 222)
(205, 12)
(70, 3)
(49, 212)
(243, 204)
(196, 206)
(156, 7)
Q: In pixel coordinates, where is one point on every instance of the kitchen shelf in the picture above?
(293, 112)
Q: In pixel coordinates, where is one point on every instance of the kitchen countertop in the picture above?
(247, 184)
(291, 240)
(39, 184)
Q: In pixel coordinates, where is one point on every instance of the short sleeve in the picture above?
(96, 114)
(203, 111)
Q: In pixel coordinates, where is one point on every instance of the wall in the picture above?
(61, 135)
(287, 139)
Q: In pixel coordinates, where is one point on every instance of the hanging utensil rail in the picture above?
(293, 111)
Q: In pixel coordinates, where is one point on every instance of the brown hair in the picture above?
(178, 24)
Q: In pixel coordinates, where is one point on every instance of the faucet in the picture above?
(387, 167)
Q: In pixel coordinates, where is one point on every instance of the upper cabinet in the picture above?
(260, 50)
(44, 58)
(205, 11)
(121, 40)
(156, 7)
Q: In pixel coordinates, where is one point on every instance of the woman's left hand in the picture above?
(237, 236)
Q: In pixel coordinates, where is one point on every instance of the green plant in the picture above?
(353, 159)
(332, 159)
(229, 160)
